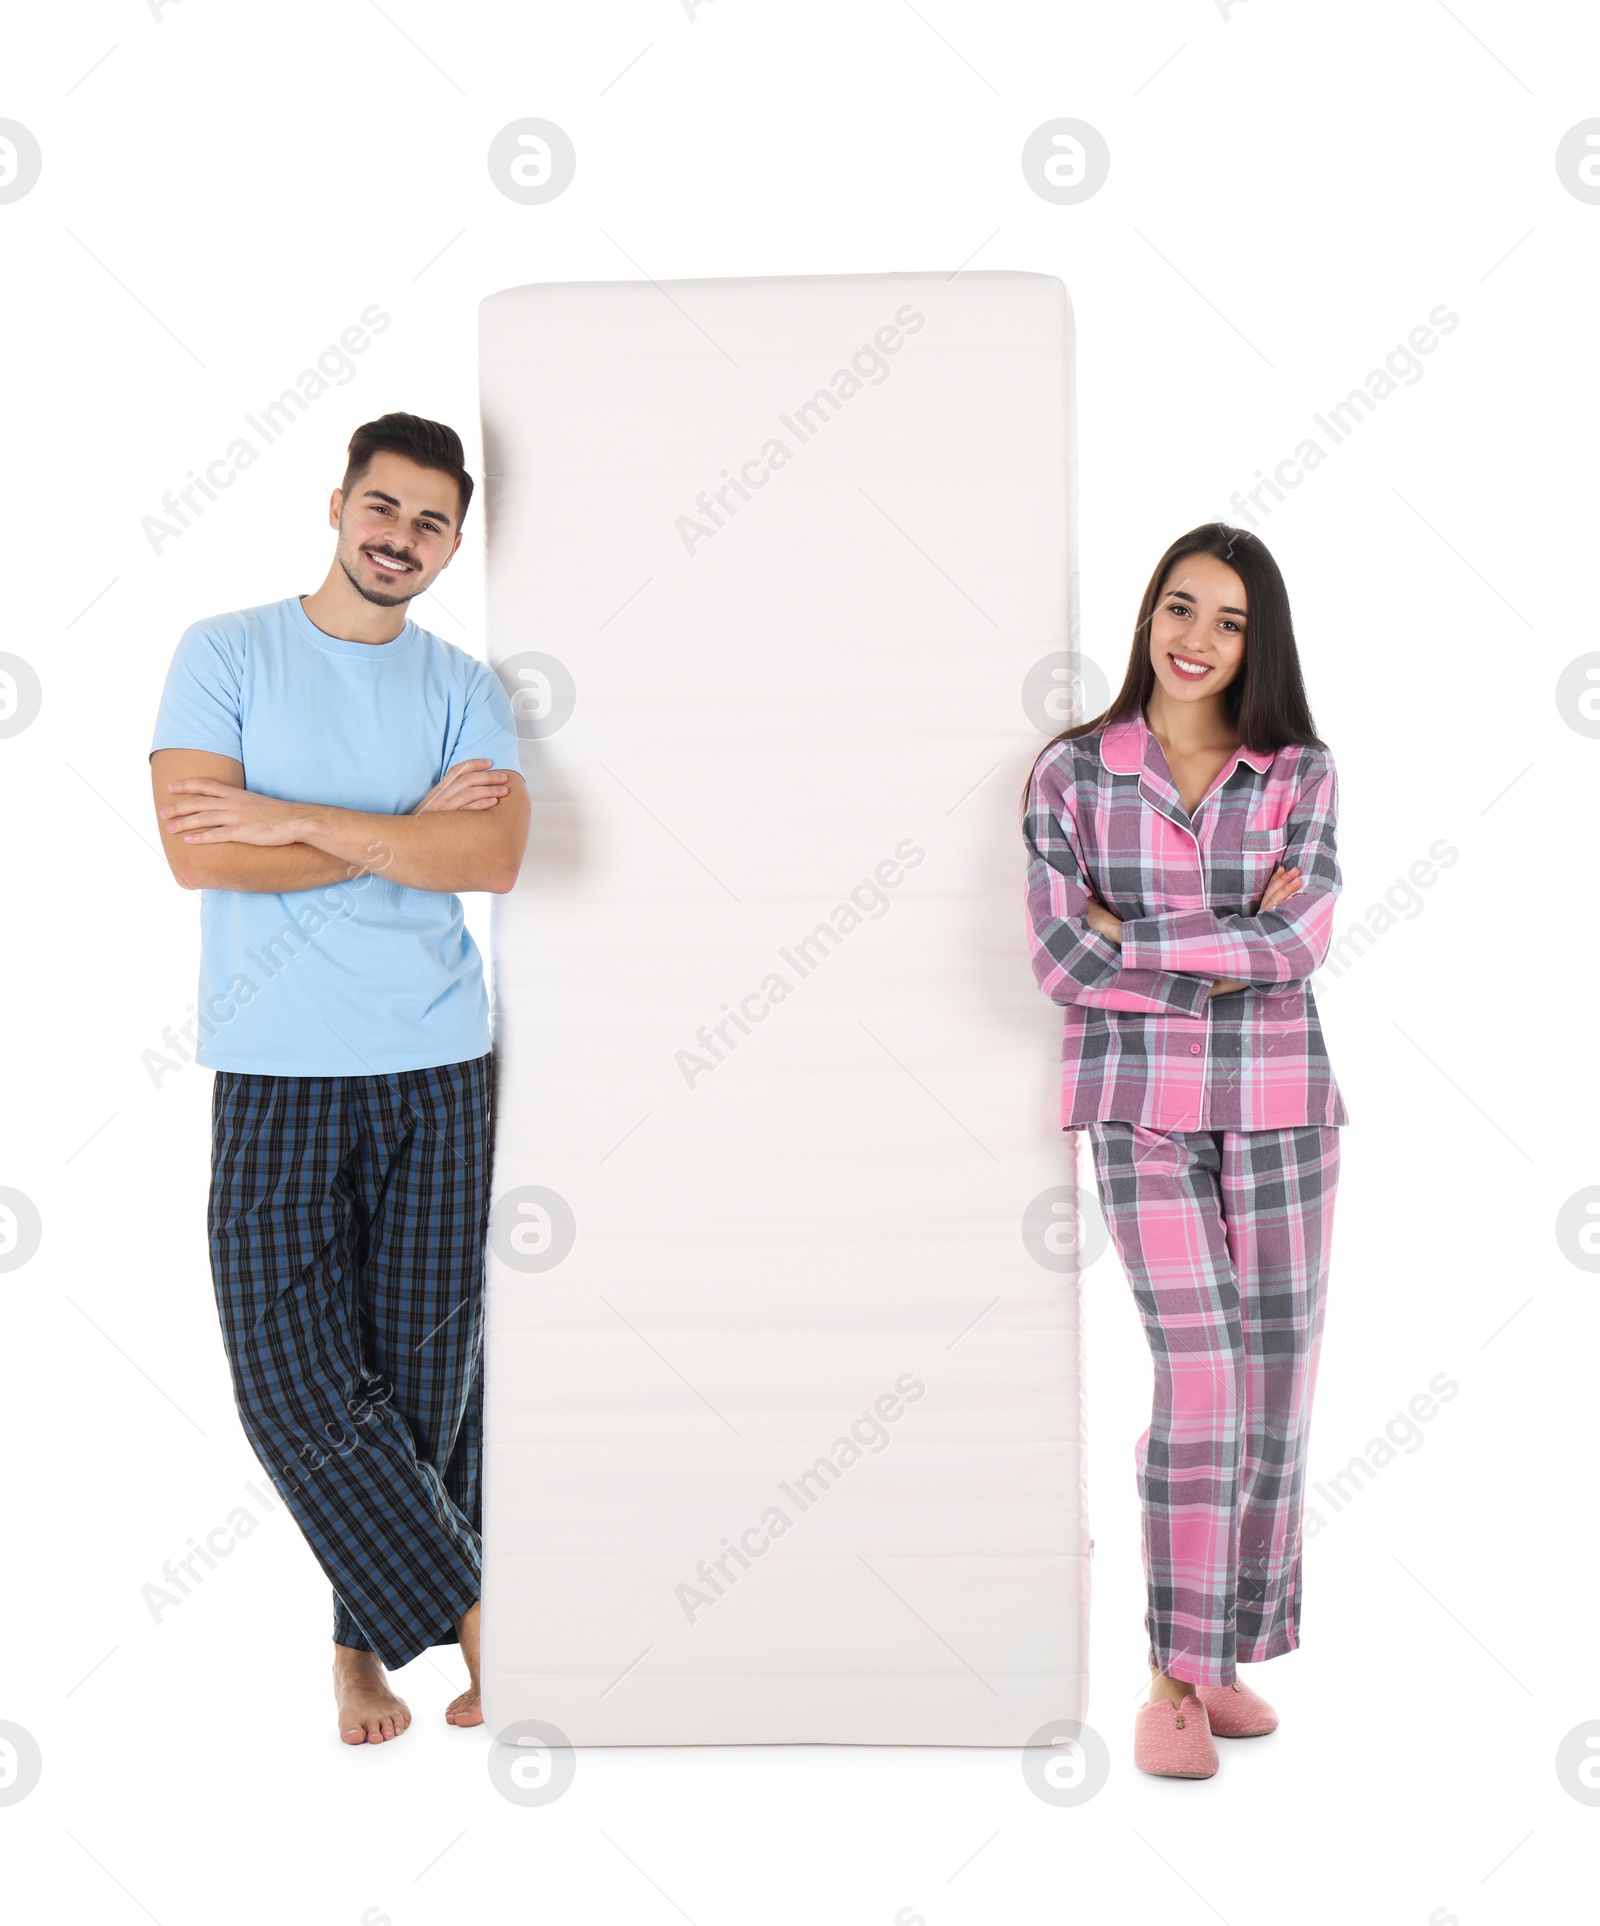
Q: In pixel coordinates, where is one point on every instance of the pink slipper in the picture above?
(1235, 1712)
(1174, 1741)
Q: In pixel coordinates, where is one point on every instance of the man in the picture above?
(328, 774)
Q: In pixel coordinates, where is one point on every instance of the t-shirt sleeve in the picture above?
(201, 702)
(487, 726)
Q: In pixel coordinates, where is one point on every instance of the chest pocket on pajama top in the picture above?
(1260, 852)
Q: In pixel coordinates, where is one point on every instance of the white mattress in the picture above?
(743, 1259)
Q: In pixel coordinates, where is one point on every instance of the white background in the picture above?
(1292, 190)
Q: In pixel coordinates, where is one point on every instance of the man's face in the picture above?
(397, 528)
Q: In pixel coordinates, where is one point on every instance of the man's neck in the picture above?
(338, 611)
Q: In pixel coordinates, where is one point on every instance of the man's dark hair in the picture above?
(430, 444)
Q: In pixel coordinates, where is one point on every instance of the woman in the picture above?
(1181, 883)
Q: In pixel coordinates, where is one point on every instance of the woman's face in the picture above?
(1197, 634)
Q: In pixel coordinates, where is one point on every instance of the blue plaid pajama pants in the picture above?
(347, 1219)
(1225, 1238)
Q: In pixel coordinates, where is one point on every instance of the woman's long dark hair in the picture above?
(1266, 701)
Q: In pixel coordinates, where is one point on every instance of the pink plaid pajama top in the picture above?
(1144, 1040)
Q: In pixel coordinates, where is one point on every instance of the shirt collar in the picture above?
(1128, 749)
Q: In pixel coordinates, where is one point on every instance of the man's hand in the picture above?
(204, 810)
(208, 820)
(292, 866)
(469, 785)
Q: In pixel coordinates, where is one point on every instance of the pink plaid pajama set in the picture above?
(1213, 1126)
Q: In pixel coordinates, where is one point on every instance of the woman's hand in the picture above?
(1281, 884)
(470, 785)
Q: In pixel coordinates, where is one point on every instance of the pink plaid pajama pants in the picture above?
(1225, 1238)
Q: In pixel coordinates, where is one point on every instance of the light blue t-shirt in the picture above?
(357, 978)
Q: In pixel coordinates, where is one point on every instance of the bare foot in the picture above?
(369, 1712)
(464, 1708)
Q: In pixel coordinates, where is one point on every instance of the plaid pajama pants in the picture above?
(1225, 1238)
(347, 1219)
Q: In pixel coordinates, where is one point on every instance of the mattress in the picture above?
(783, 1432)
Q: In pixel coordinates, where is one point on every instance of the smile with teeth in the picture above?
(388, 564)
(1187, 666)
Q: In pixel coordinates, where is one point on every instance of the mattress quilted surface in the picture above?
(784, 1425)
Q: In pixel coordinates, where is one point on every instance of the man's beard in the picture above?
(405, 588)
